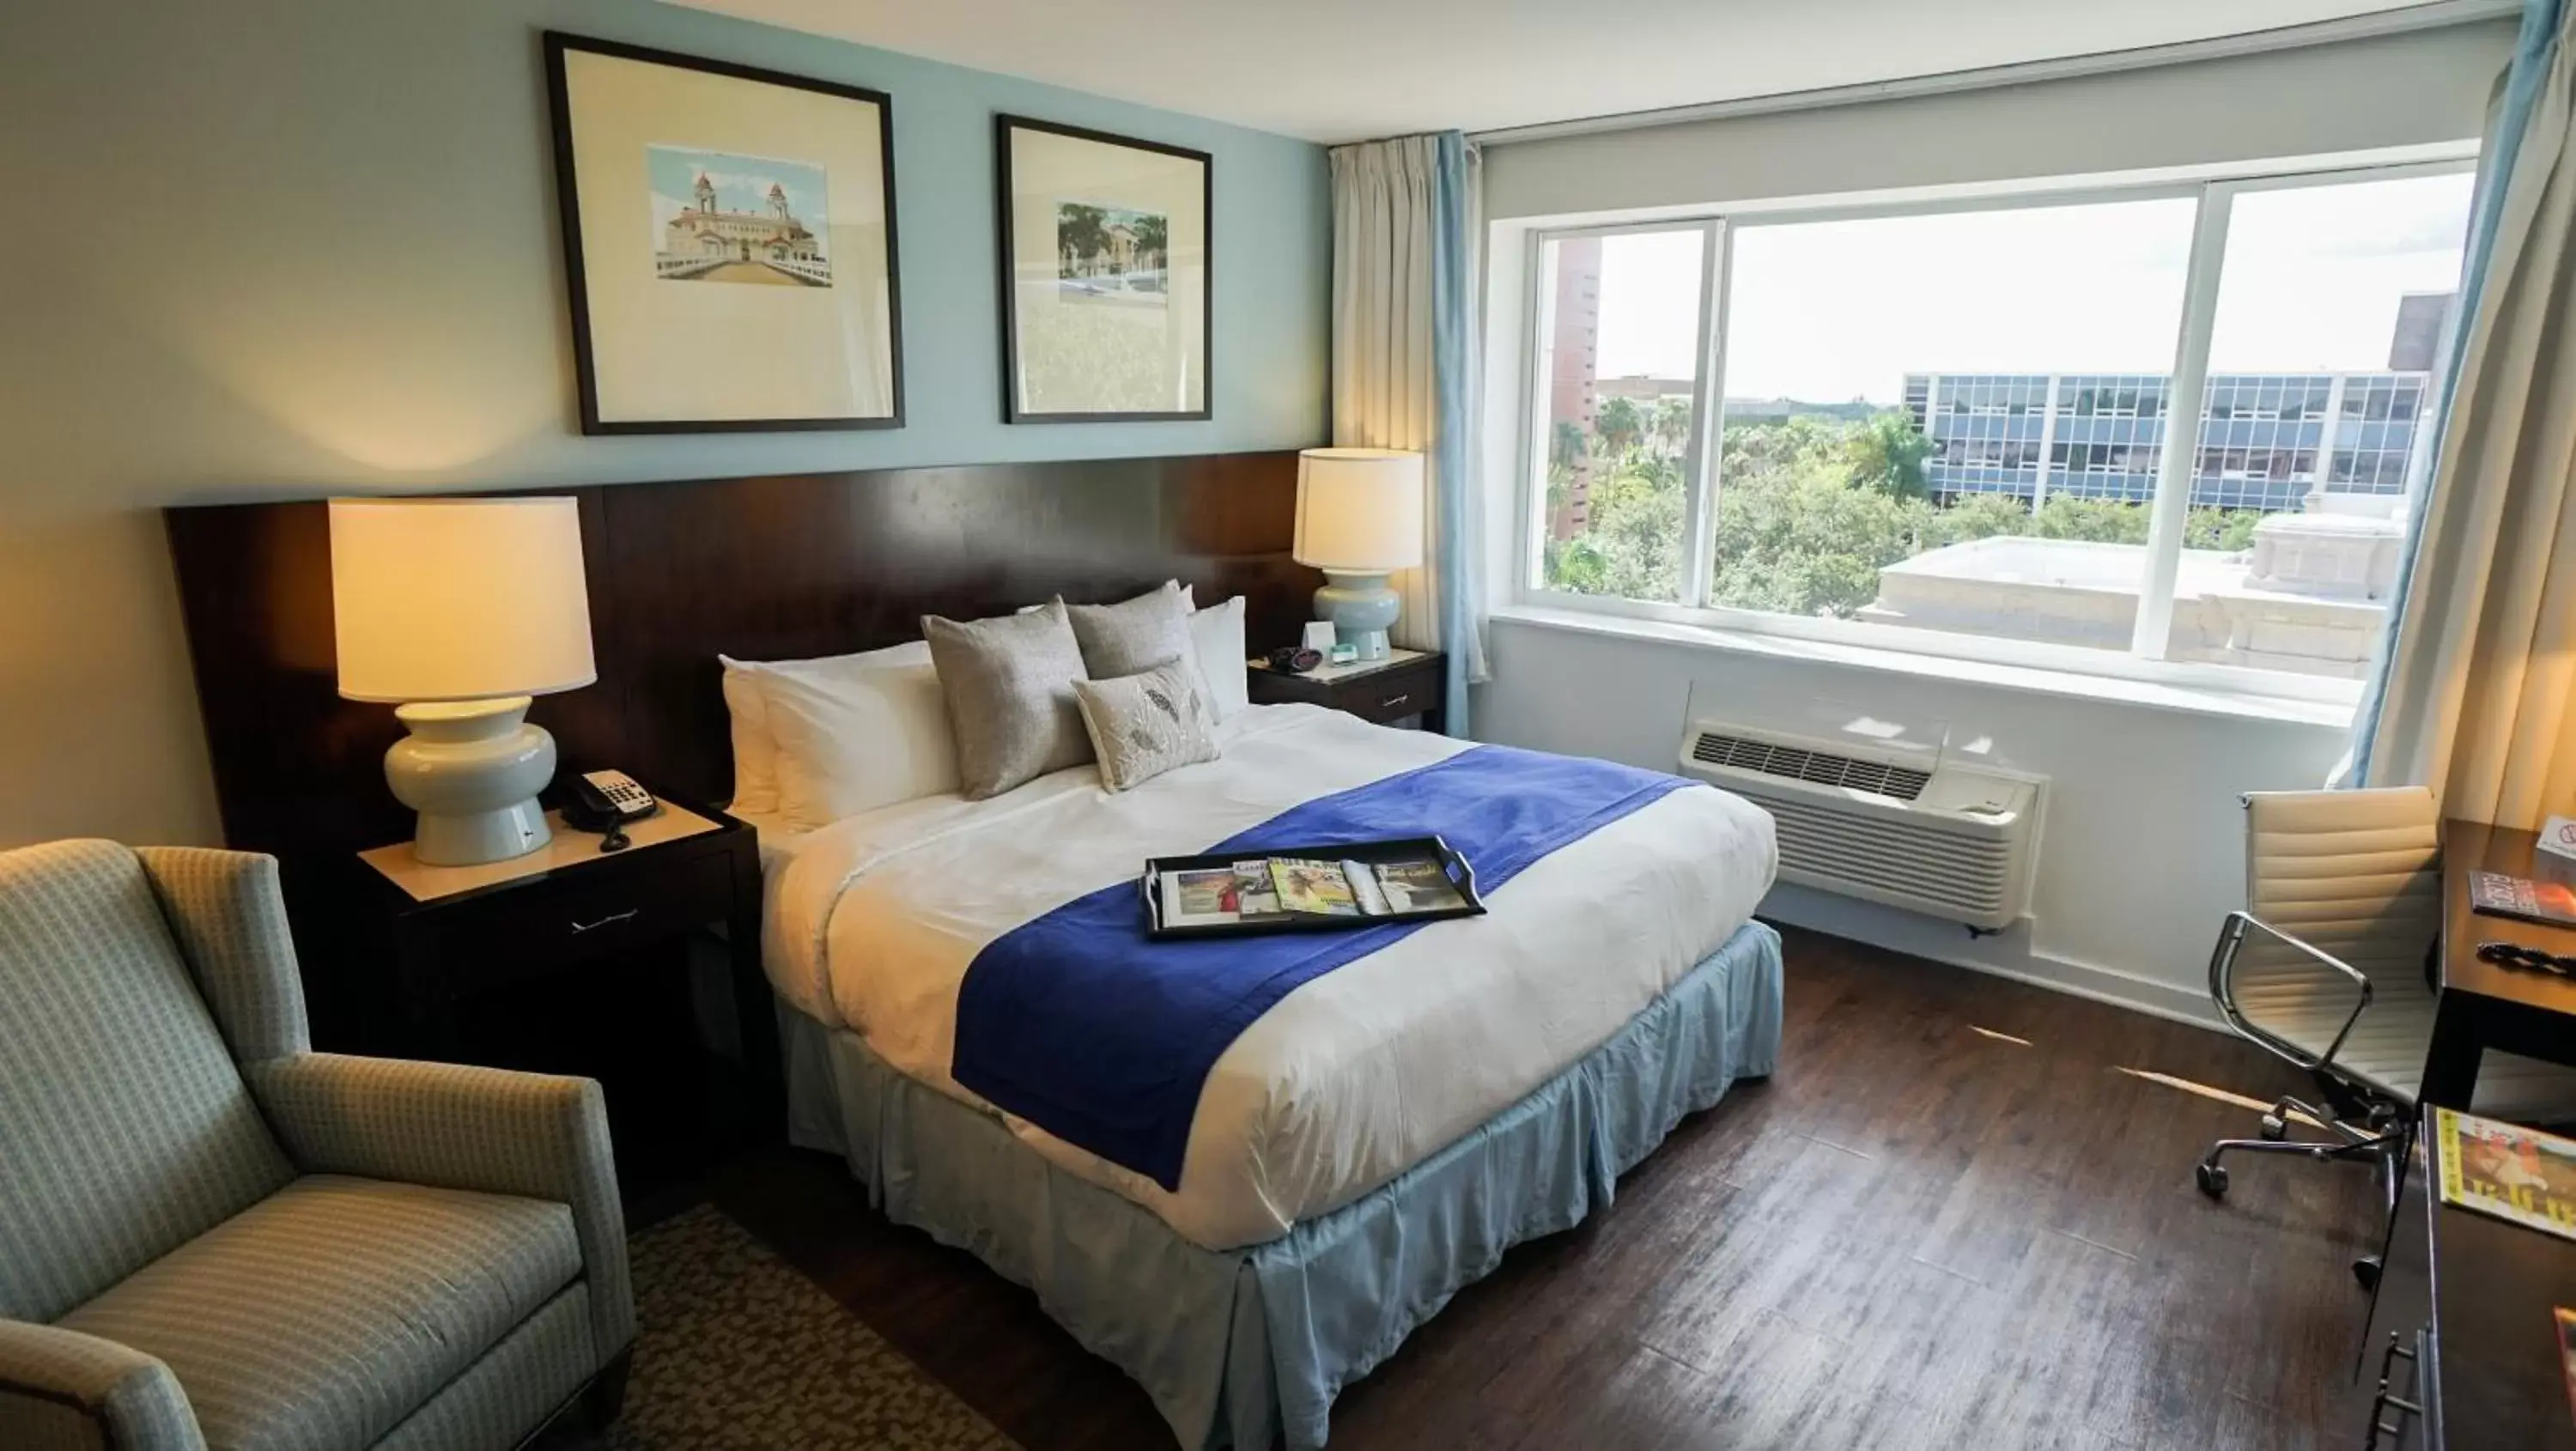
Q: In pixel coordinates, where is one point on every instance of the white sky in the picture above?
(1830, 311)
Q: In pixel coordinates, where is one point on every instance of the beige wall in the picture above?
(276, 248)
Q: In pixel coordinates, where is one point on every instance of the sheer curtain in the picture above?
(2470, 696)
(1404, 361)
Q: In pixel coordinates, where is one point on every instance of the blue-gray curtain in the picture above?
(1404, 364)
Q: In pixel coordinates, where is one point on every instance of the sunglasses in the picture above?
(2514, 954)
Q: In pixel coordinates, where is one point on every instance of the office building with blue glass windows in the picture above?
(2266, 440)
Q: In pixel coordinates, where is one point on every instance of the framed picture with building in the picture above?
(729, 243)
(1105, 257)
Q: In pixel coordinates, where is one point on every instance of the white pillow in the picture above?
(755, 756)
(1217, 631)
(851, 733)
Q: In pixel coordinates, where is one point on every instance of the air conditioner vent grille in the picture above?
(1822, 768)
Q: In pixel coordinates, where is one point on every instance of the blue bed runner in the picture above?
(1084, 1026)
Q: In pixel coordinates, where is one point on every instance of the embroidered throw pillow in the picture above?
(1145, 724)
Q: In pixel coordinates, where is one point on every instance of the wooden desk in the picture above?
(2460, 1330)
(2487, 1005)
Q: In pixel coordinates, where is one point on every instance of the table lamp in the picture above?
(456, 611)
(1359, 519)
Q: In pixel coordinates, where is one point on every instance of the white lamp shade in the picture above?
(1359, 509)
(459, 599)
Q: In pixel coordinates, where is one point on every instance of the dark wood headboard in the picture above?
(758, 568)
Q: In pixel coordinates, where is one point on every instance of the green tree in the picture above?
(1081, 234)
(1809, 509)
(1566, 446)
(1886, 453)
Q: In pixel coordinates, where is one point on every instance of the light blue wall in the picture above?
(290, 247)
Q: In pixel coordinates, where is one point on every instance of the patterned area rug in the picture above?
(735, 1348)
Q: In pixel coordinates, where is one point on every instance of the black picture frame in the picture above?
(1003, 197)
(557, 45)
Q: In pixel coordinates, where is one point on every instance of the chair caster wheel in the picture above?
(2213, 1179)
(2275, 1128)
(2366, 1270)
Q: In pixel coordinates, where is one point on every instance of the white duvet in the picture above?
(1354, 1076)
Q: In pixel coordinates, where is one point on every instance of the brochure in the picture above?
(2567, 1351)
(2497, 895)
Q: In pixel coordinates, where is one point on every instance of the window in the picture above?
(1619, 438)
(1950, 423)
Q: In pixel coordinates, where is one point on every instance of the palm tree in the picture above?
(1153, 235)
(1618, 425)
(1668, 423)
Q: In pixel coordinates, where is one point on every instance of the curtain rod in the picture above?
(2406, 20)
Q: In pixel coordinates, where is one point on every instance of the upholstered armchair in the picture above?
(212, 1237)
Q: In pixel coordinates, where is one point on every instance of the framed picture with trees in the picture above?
(1104, 271)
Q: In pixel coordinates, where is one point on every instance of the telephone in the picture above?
(605, 801)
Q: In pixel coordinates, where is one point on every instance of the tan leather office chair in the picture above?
(2327, 969)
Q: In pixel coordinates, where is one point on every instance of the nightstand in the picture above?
(640, 968)
(1407, 683)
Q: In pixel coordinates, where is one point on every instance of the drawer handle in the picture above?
(2388, 1401)
(611, 920)
(1392, 701)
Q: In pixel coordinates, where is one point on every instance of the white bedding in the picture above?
(1351, 1078)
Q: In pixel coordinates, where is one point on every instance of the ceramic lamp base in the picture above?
(472, 769)
(1361, 608)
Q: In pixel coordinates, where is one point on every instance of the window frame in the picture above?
(2213, 190)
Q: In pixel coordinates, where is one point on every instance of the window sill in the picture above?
(2146, 694)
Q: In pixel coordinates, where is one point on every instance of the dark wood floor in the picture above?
(1918, 1235)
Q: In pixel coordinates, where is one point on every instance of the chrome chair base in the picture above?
(2379, 1140)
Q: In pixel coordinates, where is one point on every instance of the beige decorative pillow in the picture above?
(1133, 635)
(1143, 725)
(1009, 686)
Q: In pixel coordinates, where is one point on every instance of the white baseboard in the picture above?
(2006, 954)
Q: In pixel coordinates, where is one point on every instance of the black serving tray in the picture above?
(1410, 848)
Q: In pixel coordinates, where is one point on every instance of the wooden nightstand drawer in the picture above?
(1412, 685)
(574, 921)
(1392, 694)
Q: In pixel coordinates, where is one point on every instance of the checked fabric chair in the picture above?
(211, 1237)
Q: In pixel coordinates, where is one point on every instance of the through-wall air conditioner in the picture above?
(1903, 824)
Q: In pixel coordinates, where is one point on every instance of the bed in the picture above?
(1241, 1332)
(1373, 1141)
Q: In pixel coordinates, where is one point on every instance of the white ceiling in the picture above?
(1341, 70)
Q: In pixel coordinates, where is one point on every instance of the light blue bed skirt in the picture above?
(1247, 1347)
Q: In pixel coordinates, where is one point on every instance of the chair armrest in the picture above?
(459, 1127)
(2222, 988)
(62, 1388)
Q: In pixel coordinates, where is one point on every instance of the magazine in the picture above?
(1417, 886)
(1213, 892)
(1206, 898)
(1315, 887)
(1259, 895)
(2499, 895)
(2511, 1172)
